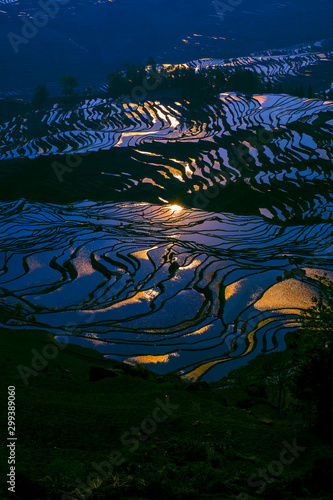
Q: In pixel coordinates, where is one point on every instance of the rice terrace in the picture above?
(166, 249)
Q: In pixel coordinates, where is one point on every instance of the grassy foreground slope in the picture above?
(213, 443)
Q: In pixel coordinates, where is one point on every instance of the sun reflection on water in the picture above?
(175, 208)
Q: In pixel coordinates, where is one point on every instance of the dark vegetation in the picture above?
(190, 83)
(311, 383)
(68, 83)
(139, 82)
(40, 97)
(221, 434)
(300, 378)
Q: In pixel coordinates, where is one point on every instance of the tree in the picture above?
(278, 369)
(40, 96)
(69, 83)
(266, 375)
(135, 74)
(245, 80)
(312, 380)
(117, 84)
(151, 63)
(311, 94)
(317, 321)
(220, 79)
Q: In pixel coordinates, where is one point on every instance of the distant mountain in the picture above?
(90, 38)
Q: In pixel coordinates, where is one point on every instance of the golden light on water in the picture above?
(288, 294)
(143, 254)
(202, 330)
(200, 370)
(261, 98)
(83, 264)
(231, 289)
(34, 263)
(150, 359)
(176, 173)
(162, 199)
(139, 298)
(193, 265)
